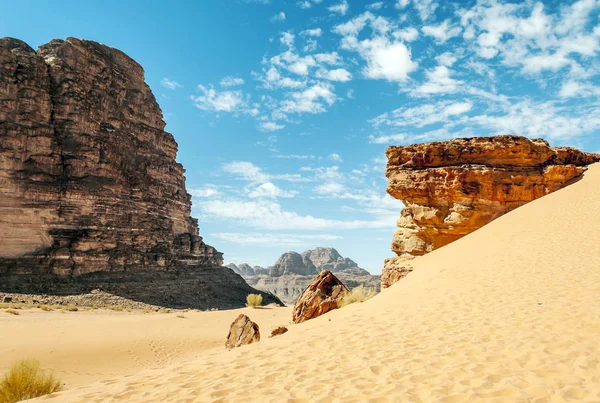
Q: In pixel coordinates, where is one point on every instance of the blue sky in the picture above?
(282, 110)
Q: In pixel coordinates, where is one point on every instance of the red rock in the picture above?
(279, 330)
(452, 188)
(242, 331)
(321, 296)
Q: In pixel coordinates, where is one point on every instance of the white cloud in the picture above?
(341, 75)
(542, 119)
(571, 89)
(287, 39)
(314, 99)
(386, 59)
(246, 170)
(170, 84)
(375, 6)
(203, 192)
(225, 101)
(432, 135)
(279, 17)
(231, 81)
(249, 172)
(266, 214)
(441, 32)
(316, 32)
(335, 157)
(409, 34)
(438, 82)
(270, 126)
(350, 94)
(274, 79)
(422, 115)
(273, 239)
(425, 8)
(341, 8)
(522, 34)
(446, 59)
(269, 190)
(329, 188)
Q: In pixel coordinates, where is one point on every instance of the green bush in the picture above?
(254, 300)
(26, 380)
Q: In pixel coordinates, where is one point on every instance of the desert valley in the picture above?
(110, 291)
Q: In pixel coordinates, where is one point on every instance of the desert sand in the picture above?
(86, 346)
(509, 313)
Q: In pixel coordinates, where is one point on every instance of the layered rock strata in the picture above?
(88, 177)
(452, 188)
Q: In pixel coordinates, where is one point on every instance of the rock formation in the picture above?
(293, 272)
(452, 188)
(321, 296)
(88, 177)
(278, 331)
(242, 331)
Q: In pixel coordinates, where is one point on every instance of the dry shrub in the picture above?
(358, 294)
(72, 308)
(26, 380)
(12, 311)
(254, 300)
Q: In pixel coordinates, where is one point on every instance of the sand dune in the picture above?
(508, 313)
(87, 346)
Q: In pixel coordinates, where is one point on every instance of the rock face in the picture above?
(242, 331)
(321, 296)
(88, 178)
(293, 272)
(452, 188)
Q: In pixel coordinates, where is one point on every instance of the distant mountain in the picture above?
(307, 263)
(293, 271)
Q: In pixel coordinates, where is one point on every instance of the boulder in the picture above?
(278, 331)
(321, 296)
(242, 331)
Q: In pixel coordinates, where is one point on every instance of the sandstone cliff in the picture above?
(88, 177)
(452, 188)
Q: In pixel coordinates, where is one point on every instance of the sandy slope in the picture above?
(508, 313)
(86, 346)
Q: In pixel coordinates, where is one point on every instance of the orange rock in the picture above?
(279, 330)
(321, 296)
(452, 188)
(242, 331)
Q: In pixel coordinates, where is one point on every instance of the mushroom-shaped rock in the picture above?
(279, 330)
(242, 331)
(321, 296)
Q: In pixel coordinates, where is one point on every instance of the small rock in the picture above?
(278, 331)
(242, 331)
